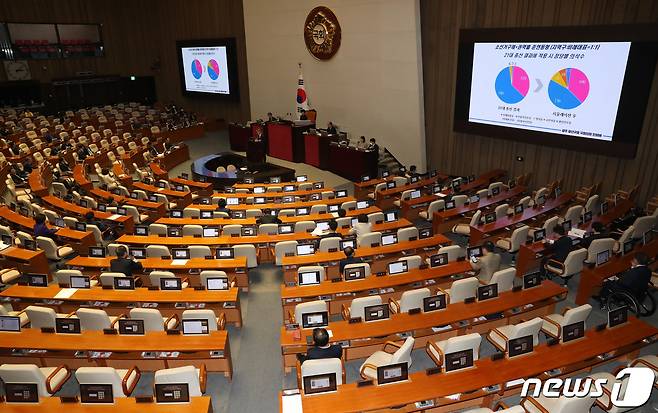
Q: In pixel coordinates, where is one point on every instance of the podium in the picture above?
(256, 151)
(238, 136)
(286, 140)
(352, 163)
(316, 148)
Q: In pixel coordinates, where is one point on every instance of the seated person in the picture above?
(598, 232)
(373, 146)
(125, 264)
(104, 228)
(41, 229)
(635, 280)
(412, 171)
(342, 213)
(302, 115)
(559, 249)
(361, 228)
(331, 129)
(331, 232)
(322, 348)
(268, 218)
(487, 264)
(361, 143)
(221, 206)
(18, 179)
(349, 259)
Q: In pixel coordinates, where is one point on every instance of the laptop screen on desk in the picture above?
(225, 253)
(305, 249)
(602, 257)
(415, 194)
(217, 283)
(389, 239)
(391, 216)
(309, 278)
(181, 253)
(210, 232)
(314, 320)
(194, 326)
(397, 267)
(79, 281)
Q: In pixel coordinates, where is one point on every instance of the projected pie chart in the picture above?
(568, 88)
(213, 69)
(512, 84)
(197, 69)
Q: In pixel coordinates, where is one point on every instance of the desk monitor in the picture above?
(518, 209)
(285, 229)
(322, 226)
(180, 253)
(486, 292)
(229, 190)
(67, 325)
(386, 174)
(474, 199)
(332, 208)
(37, 280)
(316, 319)
(153, 198)
(566, 225)
(80, 226)
(511, 183)
(176, 213)
(541, 200)
(238, 214)
(134, 195)
(305, 249)
(29, 244)
(7, 240)
(341, 193)
(194, 326)
(288, 188)
(77, 281)
(259, 200)
(413, 179)
(558, 191)
(161, 184)
(456, 182)
(320, 383)
(24, 211)
(351, 242)
(459, 360)
(205, 214)
(392, 373)
(474, 252)
(354, 221)
(604, 207)
(495, 191)
(83, 203)
(449, 205)
(308, 278)
(318, 185)
(59, 222)
(174, 232)
(248, 180)
(628, 247)
(96, 393)
(539, 235)
(390, 184)
(204, 201)
(171, 284)
(259, 190)
(290, 199)
(389, 239)
(172, 393)
(424, 233)
(362, 204)
(302, 178)
(232, 201)
(573, 331)
(302, 211)
(602, 257)
(317, 197)
(520, 345)
(531, 280)
(415, 194)
(490, 217)
(438, 260)
(398, 267)
(210, 232)
(185, 175)
(97, 252)
(587, 217)
(217, 283)
(365, 178)
(142, 230)
(123, 283)
(355, 273)
(402, 169)
(376, 312)
(275, 180)
(617, 316)
(225, 253)
(433, 173)
(248, 231)
(436, 189)
(21, 393)
(434, 302)
(138, 253)
(10, 324)
(123, 211)
(391, 216)
(130, 326)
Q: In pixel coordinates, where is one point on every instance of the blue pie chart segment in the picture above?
(197, 69)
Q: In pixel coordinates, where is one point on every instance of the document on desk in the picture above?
(65, 293)
(292, 404)
(114, 217)
(178, 262)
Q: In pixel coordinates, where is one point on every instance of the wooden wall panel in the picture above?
(140, 39)
(465, 153)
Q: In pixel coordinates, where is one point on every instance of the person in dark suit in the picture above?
(635, 280)
(598, 232)
(559, 250)
(125, 264)
(373, 146)
(302, 115)
(349, 259)
(331, 129)
(322, 348)
(41, 229)
(221, 206)
(268, 218)
(331, 233)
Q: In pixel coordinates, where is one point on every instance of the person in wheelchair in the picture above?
(636, 280)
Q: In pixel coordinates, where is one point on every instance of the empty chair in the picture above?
(400, 354)
(454, 252)
(319, 209)
(572, 265)
(413, 261)
(496, 185)
(92, 319)
(514, 242)
(107, 278)
(438, 350)
(98, 235)
(49, 380)
(626, 236)
(7, 310)
(504, 279)
(157, 251)
(132, 211)
(462, 289)
(597, 246)
(306, 308)
(407, 234)
(548, 226)
(199, 251)
(233, 229)
(465, 228)
(158, 229)
(123, 382)
(409, 300)
(500, 336)
(254, 213)
(322, 366)
(42, 317)
(573, 214)
(53, 252)
(329, 244)
(268, 229)
(405, 196)
(248, 251)
(63, 277)
(194, 377)
(312, 268)
(592, 203)
(153, 320)
(191, 230)
(553, 323)
(191, 212)
(214, 323)
(204, 275)
(434, 206)
(304, 226)
(284, 248)
(364, 265)
(358, 305)
(460, 200)
(604, 401)
(561, 404)
(348, 206)
(286, 213)
(371, 239)
(643, 225)
(156, 276)
(379, 187)
(376, 217)
(501, 210)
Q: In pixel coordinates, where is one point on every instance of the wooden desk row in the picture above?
(380, 256)
(116, 302)
(470, 387)
(71, 209)
(384, 199)
(153, 209)
(25, 260)
(359, 340)
(121, 404)
(234, 268)
(152, 351)
(181, 198)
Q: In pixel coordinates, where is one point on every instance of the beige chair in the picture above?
(405, 196)
(319, 209)
(190, 230)
(454, 252)
(410, 299)
(248, 251)
(592, 203)
(438, 350)
(462, 289)
(573, 214)
(358, 305)
(548, 226)
(407, 234)
(597, 246)
(53, 252)
(92, 319)
(63, 277)
(604, 401)
(233, 229)
(572, 265)
(327, 244)
(49, 380)
(501, 211)
(460, 200)
(371, 239)
(643, 225)
(514, 242)
(305, 308)
(107, 278)
(379, 187)
(313, 268)
(194, 377)
(562, 404)
(364, 265)
(123, 382)
(413, 261)
(626, 236)
(214, 323)
(132, 211)
(268, 229)
(157, 251)
(320, 367)
(504, 279)
(375, 217)
(153, 320)
(191, 212)
(465, 228)
(9, 275)
(500, 336)
(156, 276)
(283, 248)
(7, 310)
(43, 317)
(553, 323)
(304, 226)
(199, 251)
(434, 206)
(391, 353)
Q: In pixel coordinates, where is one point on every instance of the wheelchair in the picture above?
(643, 306)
